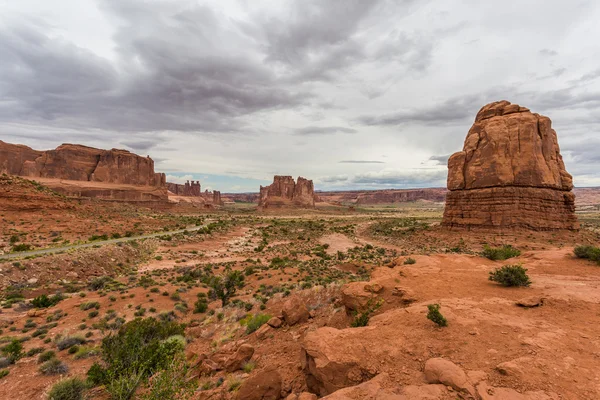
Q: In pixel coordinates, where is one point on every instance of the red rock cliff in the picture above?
(80, 163)
(510, 174)
(285, 192)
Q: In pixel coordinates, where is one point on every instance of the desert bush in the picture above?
(435, 315)
(200, 306)
(43, 301)
(510, 275)
(34, 351)
(21, 247)
(256, 321)
(45, 356)
(4, 372)
(68, 389)
(224, 287)
(174, 382)
(13, 351)
(410, 261)
(500, 253)
(362, 319)
(66, 342)
(591, 253)
(100, 282)
(139, 349)
(54, 367)
(89, 305)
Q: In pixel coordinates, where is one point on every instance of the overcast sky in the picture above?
(349, 93)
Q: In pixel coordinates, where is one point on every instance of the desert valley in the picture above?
(117, 284)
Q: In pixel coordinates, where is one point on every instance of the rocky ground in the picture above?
(332, 305)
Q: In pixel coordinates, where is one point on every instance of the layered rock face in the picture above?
(285, 192)
(192, 189)
(110, 174)
(510, 174)
(80, 163)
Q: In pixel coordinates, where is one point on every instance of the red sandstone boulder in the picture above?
(265, 385)
(438, 370)
(284, 192)
(295, 311)
(382, 387)
(510, 174)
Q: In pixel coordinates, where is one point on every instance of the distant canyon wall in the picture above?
(107, 174)
(80, 163)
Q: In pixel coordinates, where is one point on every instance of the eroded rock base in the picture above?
(511, 207)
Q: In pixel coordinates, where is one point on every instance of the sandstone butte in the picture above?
(284, 192)
(192, 191)
(111, 174)
(510, 174)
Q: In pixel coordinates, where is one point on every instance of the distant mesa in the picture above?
(82, 171)
(510, 174)
(191, 192)
(284, 192)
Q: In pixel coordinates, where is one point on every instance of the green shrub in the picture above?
(68, 389)
(362, 319)
(44, 301)
(435, 315)
(54, 367)
(410, 261)
(21, 247)
(4, 372)
(45, 356)
(200, 306)
(510, 275)
(89, 305)
(174, 382)
(256, 321)
(13, 351)
(139, 349)
(588, 252)
(224, 287)
(67, 342)
(34, 351)
(500, 253)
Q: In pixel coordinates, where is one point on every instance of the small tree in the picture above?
(224, 287)
(435, 315)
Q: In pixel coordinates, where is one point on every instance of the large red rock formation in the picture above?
(285, 192)
(105, 170)
(79, 163)
(192, 189)
(510, 174)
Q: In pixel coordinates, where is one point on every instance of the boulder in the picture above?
(265, 385)
(530, 302)
(333, 359)
(487, 392)
(236, 361)
(356, 298)
(284, 192)
(509, 368)
(438, 370)
(307, 396)
(510, 174)
(295, 311)
(406, 295)
(263, 332)
(383, 388)
(275, 322)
